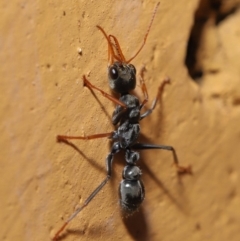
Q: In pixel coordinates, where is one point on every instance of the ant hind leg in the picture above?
(109, 161)
(96, 136)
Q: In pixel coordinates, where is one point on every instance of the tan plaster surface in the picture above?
(42, 181)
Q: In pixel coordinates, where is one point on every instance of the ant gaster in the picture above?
(126, 116)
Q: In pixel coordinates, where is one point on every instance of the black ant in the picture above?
(126, 116)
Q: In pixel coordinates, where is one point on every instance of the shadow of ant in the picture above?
(91, 161)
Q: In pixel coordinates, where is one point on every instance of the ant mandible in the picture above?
(126, 116)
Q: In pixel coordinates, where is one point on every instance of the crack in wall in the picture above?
(203, 43)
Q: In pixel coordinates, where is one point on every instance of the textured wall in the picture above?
(196, 43)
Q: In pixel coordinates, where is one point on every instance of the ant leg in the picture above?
(90, 86)
(180, 169)
(159, 94)
(65, 138)
(143, 86)
(109, 161)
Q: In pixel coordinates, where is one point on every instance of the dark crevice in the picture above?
(202, 14)
(222, 16)
(207, 10)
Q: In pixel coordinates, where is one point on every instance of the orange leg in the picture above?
(143, 86)
(90, 86)
(159, 95)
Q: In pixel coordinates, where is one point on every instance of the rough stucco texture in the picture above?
(46, 47)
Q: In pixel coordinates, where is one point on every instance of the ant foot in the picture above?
(86, 82)
(166, 80)
(184, 170)
(60, 138)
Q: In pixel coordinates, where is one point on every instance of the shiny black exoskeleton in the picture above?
(122, 80)
(131, 189)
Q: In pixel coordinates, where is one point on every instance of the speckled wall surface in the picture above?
(46, 47)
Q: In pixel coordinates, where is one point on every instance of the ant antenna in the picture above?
(117, 47)
(113, 43)
(113, 46)
(146, 35)
(111, 54)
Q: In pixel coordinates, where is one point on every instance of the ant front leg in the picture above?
(109, 160)
(159, 95)
(114, 100)
(180, 169)
(109, 135)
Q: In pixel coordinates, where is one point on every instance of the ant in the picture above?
(126, 116)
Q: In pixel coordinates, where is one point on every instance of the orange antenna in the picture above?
(113, 44)
(146, 35)
(110, 47)
(114, 49)
(118, 48)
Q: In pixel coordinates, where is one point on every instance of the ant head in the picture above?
(122, 77)
(121, 74)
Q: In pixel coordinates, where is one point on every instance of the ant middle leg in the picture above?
(180, 169)
(159, 95)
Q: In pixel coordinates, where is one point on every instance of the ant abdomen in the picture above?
(131, 189)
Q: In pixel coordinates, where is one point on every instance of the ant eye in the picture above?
(113, 73)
